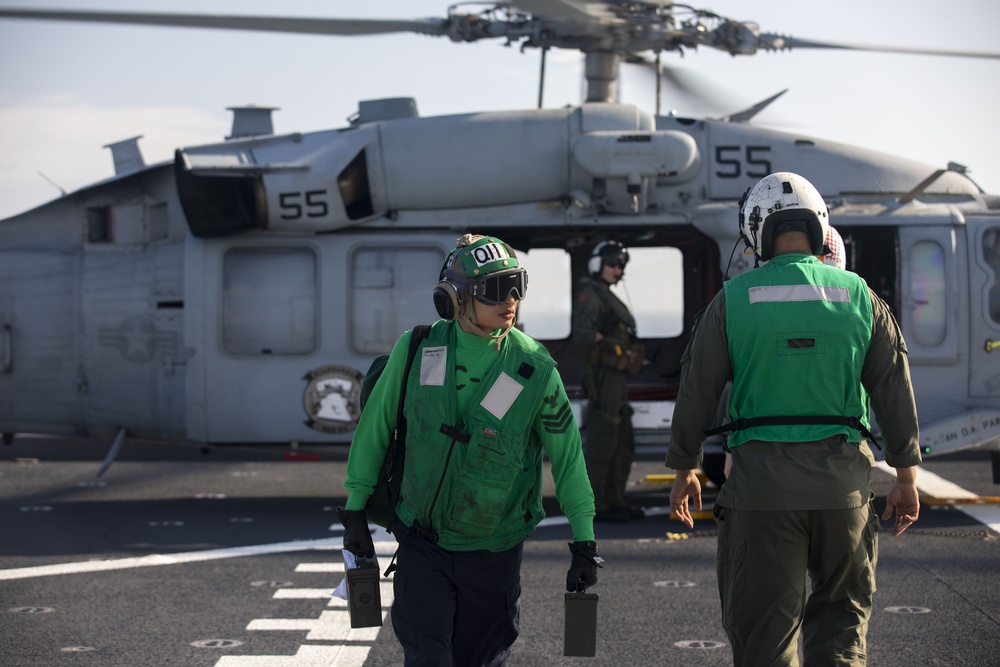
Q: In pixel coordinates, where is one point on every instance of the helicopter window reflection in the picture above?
(928, 289)
(991, 253)
(389, 293)
(269, 301)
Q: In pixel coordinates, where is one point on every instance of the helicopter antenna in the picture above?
(59, 187)
(748, 113)
(541, 78)
(659, 83)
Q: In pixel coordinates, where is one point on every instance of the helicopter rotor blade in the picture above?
(683, 81)
(569, 24)
(744, 115)
(314, 26)
(773, 42)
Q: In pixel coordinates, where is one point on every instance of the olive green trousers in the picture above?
(609, 442)
(763, 562)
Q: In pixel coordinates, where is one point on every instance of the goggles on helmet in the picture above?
(495, 288)
(612, 253)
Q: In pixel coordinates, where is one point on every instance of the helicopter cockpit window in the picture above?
(269, 301)
(928, 289)
(390, 293)
(991, 252)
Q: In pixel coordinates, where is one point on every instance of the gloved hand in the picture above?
(357, 537)
(583, 569)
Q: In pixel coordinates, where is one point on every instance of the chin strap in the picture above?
(474, 328)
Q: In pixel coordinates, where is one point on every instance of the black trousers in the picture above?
(458, 608)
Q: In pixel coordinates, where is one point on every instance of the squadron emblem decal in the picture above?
(332, 398)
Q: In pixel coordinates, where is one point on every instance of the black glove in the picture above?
(583, 569)
(357, 537)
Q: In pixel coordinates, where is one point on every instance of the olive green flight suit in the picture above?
(609, 445)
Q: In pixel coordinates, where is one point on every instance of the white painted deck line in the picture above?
(152, 560)
(307, 656)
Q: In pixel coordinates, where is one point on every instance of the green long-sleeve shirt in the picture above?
(553, 423)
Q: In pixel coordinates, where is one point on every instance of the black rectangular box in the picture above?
(364, 597)
(580, 635)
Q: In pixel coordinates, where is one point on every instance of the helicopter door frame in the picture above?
(984, 326)
(930, 294)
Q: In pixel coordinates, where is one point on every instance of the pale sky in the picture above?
(68, 89)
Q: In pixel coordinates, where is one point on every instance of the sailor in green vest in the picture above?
(484, 403)
(604, 334)
(808, 347)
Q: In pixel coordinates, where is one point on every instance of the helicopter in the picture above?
(237, 292)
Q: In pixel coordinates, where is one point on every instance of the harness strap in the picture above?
(803, 420)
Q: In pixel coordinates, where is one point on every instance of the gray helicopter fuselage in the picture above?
(238, 294)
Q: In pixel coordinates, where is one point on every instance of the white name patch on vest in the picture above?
(782, 293)
(502, 395)
(433, 366)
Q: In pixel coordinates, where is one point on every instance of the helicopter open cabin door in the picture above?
(984, 297)
(291, 324)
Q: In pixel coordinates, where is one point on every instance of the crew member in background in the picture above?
(834, 252)
(806, 346)
(604, 334)
(484, 402)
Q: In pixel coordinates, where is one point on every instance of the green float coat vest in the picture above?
(798, 334)
(474, 479)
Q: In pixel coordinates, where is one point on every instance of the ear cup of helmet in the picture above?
(607, 253)
(447, 300)
(594, 264)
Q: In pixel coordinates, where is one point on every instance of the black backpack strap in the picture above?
(395, 455)
(803, 420)
(420, 332)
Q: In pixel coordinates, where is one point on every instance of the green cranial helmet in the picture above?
(480, 268)
(485, 268)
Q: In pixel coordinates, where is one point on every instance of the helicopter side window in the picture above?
(928, 289)
(269, 301)
(991, 252)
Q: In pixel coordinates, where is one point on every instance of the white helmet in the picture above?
(782, 202)
(835, 244)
